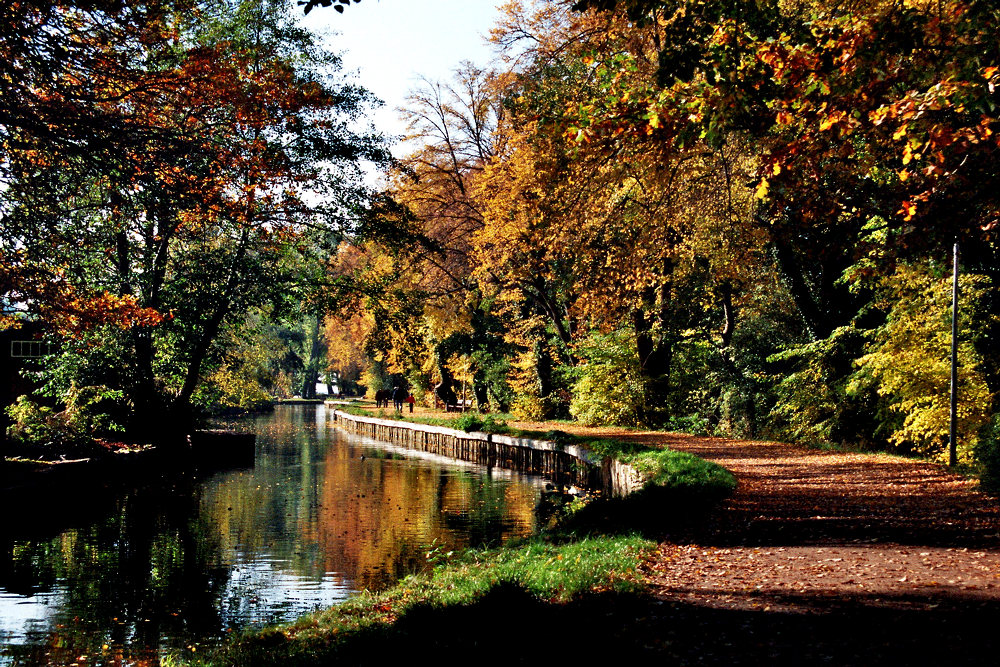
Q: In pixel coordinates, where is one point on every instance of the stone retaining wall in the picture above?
(567, 465)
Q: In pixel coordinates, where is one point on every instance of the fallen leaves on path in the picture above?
(807, 530)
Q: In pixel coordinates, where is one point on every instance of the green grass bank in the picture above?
(585, 562)
(456, 606)
(665, 469)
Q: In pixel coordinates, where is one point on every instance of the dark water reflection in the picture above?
(177, 563)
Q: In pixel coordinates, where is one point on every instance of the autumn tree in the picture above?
(249, 190)
(616, 232)
(727, 214)
(872, 123)
(68, 69)
(425, 307)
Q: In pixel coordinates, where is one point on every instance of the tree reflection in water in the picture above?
(179, 563)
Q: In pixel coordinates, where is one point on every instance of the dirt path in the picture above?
(806, 521)
(827, 558)
(818, 558)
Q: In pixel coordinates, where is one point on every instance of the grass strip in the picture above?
(664, 468)
(467, 422)
(590, 556)
(540, 570)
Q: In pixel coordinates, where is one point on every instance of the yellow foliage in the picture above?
(461, 368)
(447, 315)
(345, 337)
(527, 404)
(910, 359)
(238, 389)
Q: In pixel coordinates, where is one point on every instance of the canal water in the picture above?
(178, 563)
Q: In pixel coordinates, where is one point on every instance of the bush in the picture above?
(987, 456)
(608, 387)
(694, 424)
(40, 427)
(470, 422)
(819, 395)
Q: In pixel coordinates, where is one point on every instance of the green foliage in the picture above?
(694, 424)
(492, 371)
(437, 554)
(376, 378)
(471, 421)
(909, 359)
(608, 385)
(987, 455)
(37, 426)
(98, 357)
(540, 391)
(234, 174)
(813, 401)
(257, 368)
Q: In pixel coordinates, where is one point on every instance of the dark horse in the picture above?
(382, 397)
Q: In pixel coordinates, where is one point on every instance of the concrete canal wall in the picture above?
(570, 464)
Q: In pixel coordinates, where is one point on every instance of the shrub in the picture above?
(39, 426)
(470, 422)
(694, 424)
(908, 360)
(608, 387)
(987, 454)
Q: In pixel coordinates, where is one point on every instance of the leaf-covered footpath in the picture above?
(832, 556)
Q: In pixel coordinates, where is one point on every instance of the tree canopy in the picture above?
(226, 167)
(731, 216)
(726, 217)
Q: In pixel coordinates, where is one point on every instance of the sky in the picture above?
(392, 43)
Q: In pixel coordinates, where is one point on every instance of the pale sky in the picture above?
(391, 43)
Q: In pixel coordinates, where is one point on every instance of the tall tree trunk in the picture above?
(444, 390)
(312, 362)
(655, 359)
(182, 416)
(543, 375)
(655, 339)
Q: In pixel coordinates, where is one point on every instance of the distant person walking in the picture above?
(411, 401)
(397, 398)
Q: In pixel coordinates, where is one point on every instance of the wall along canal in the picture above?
(178, 563)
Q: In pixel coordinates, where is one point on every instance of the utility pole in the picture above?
(953, 409)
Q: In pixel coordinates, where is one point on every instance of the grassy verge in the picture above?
(468, 421)
(565, 580)
(506, 580)
(665, 468)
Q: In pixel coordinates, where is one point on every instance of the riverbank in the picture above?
(40, 488)
(818, 557)
(649, 467)
(512, 604)
(585, 565)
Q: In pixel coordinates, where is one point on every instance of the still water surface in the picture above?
(176, 564)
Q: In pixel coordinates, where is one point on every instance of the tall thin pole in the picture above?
(953, 409)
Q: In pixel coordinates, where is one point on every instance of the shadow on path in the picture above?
(819, 557)
(791, 495)
(509, 626)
